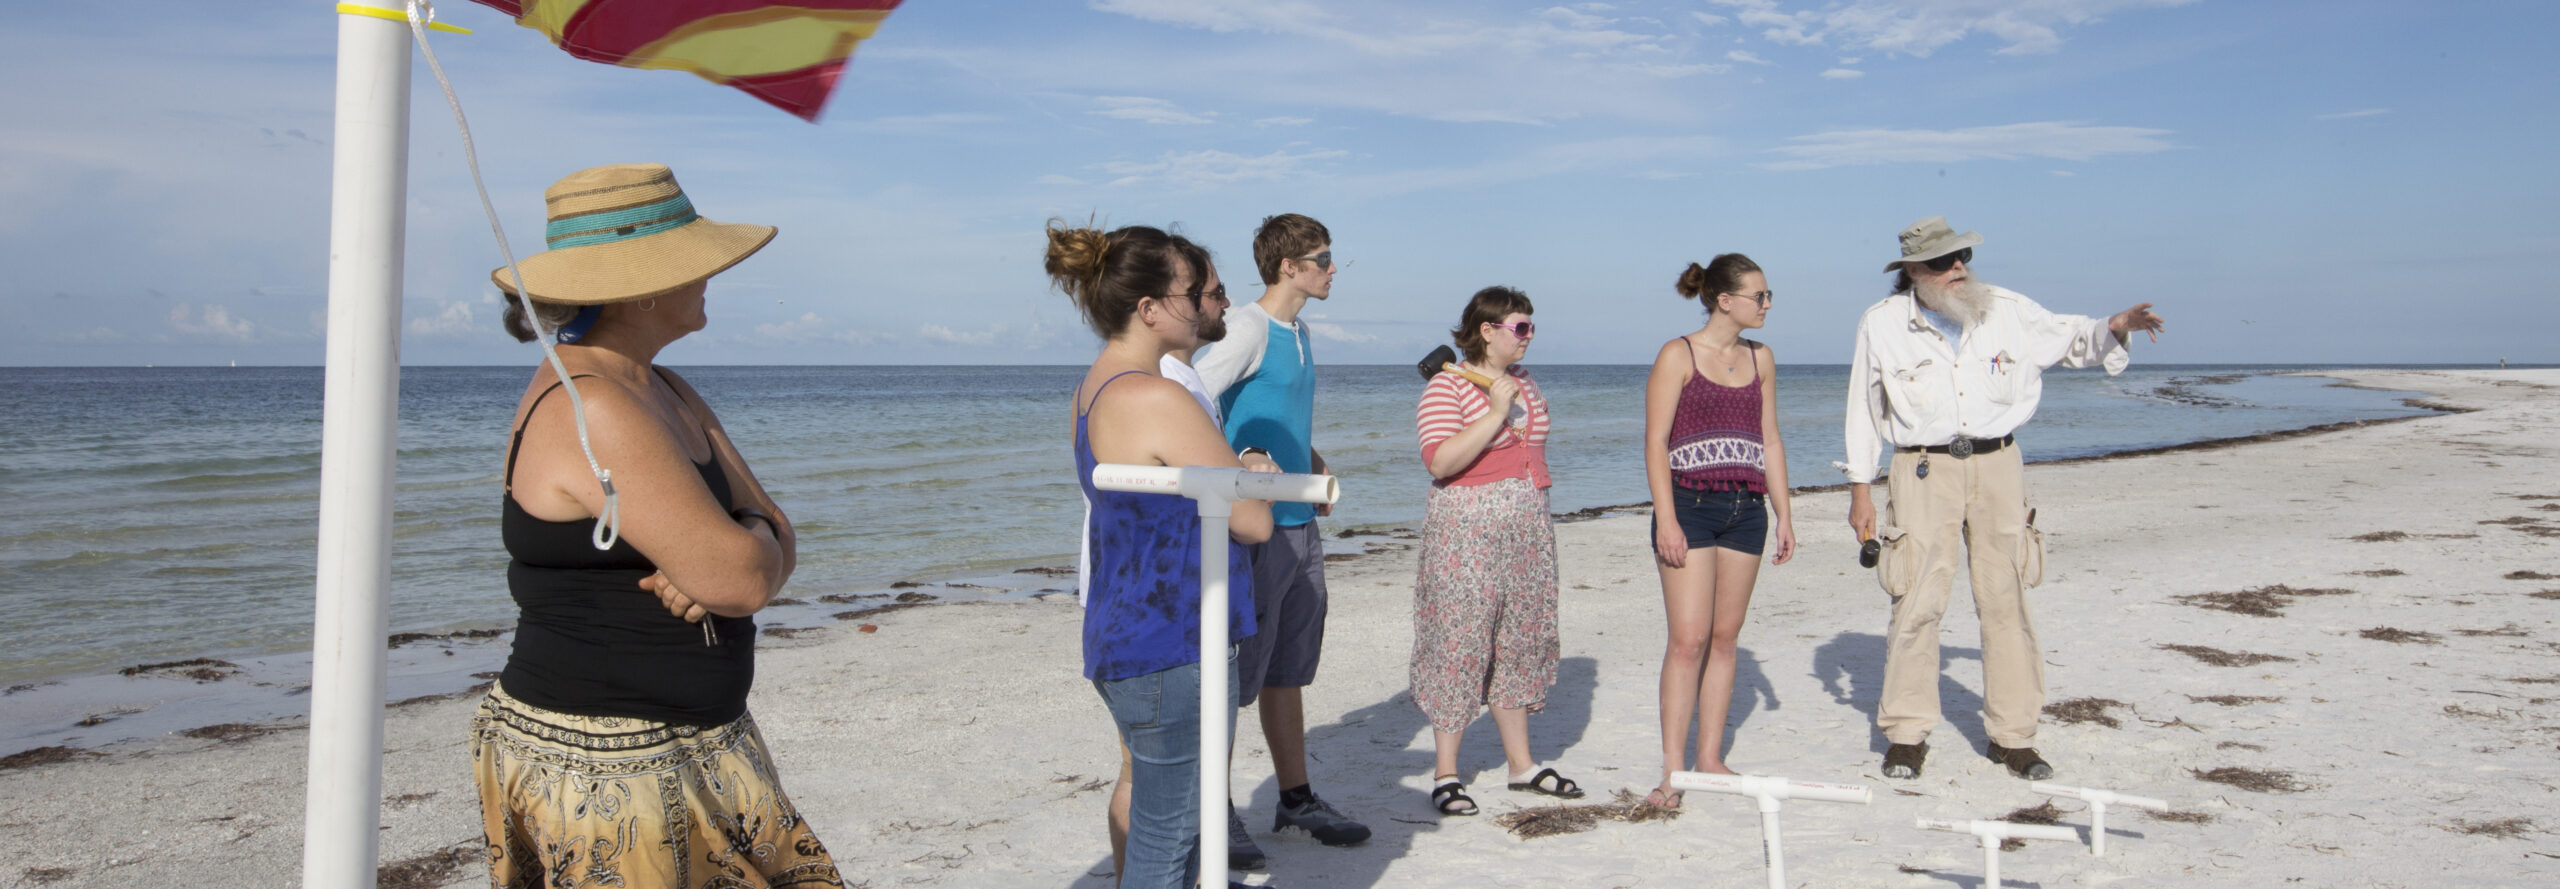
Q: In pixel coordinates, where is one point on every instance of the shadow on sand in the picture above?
(1851, 668)
(1391, 742)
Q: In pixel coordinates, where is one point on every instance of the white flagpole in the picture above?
(359, 437)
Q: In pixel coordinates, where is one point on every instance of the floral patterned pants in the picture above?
(1484, 607)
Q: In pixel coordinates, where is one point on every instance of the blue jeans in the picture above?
(1159, 719)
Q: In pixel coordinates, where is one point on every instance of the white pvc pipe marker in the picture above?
(1216, 489)
(2098, 801)
(1770, 791)
(1992, 832)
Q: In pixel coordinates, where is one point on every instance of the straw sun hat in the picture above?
(1929, 239)
(626, 232)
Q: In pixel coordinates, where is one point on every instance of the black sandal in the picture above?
(1547, 783)
(1451, 798)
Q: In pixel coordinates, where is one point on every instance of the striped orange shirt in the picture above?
(1450, 404)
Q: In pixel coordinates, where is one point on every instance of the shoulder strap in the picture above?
(512, 449)
(1097, 390)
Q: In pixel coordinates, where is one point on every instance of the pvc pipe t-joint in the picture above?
(1769, 789)
(1992, 832)
(1220, 485)
(2098, 801)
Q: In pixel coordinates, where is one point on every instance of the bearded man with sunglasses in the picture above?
(1264, 374)
(1944, 372)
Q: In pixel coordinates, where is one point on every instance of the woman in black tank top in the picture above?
(634, 647)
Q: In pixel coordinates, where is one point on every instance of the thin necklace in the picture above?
(1731, 365)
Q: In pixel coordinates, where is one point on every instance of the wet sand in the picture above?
(2335, 654)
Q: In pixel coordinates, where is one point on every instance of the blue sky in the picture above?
(2289, 182)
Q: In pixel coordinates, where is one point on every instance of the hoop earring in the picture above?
(651, 304)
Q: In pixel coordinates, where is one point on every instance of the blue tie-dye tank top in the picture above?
(1143, 613)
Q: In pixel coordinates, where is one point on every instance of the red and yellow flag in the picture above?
(786, 53)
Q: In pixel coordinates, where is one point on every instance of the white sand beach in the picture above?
(2404, 724)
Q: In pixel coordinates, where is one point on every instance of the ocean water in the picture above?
(154, 514)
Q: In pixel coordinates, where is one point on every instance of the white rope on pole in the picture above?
(421, 16)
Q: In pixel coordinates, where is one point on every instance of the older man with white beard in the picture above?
(1944, 372)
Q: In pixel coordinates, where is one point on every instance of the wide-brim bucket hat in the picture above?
(1929, 239)
(624, 232)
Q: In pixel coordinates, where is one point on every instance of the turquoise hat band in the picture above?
(609, 226)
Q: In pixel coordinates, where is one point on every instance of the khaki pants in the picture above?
(1979, 503)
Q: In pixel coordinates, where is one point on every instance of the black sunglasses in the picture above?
(1949, 261)
(1322, 260)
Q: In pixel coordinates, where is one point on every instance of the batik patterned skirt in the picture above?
(630, 803)
(1484, 606)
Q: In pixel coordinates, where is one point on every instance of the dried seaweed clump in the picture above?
(2258, 780)
(432, 869)
(2219, 658)
(2503, 828)
(1547, 821)
(2531, 575)
(2509, 630)
(2079, 710)
(2182, 817)
(2380, 537)
(2040, 813)
(202, 669)
(43, 756)
(2235, 700)
(2379, 572)
(2265, 601)
(45, 876)
(230, 732)
(2546, 594)
(2395, 634)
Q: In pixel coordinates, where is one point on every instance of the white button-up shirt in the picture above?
(1909, 387)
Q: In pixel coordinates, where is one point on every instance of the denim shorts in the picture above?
(1734, 520)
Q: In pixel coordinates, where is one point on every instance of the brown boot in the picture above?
(2022, 762)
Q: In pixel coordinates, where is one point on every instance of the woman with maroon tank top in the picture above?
(1716, 469)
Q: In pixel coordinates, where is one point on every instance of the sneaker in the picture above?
(1321, 820)
(1242, 854)
(1903, 760)
(2022, 762)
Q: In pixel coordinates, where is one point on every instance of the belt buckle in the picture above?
(1960, 448)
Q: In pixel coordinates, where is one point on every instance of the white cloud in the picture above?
(1843, 74)
(1668, 72)
(947, 336)
(216, 322)
(2343, 115)
(1027, 337)
(455, 320)
(1920, 27)
(810, 328)
(1851, 60)
(1391, 33)
(1284, 121)
(1338, 333)
(2062, 140)
(1619, 156)
(1147, 110)
(1709, 19)
(1057, 179)
(1210, 168)
(921, 124)
(1746, 57)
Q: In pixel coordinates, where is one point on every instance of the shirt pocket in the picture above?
(1917, 388)
(2010, 380)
